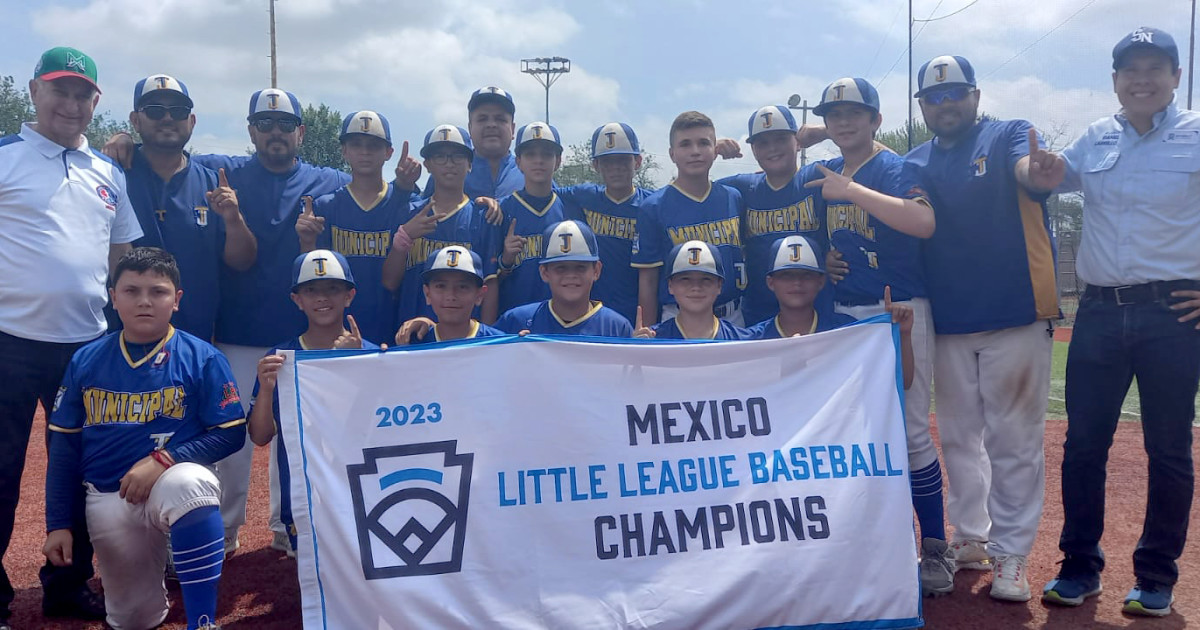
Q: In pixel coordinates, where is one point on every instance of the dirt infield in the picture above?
(259, 588)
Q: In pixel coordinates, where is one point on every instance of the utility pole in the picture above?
(274, 72)
(908, 123)
(1191, 52)
(546, 70)
(795, 102)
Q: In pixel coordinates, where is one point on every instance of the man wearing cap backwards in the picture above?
(65, 218)
(1139, 171)
(989, 273)
(183, 207)
(494, 171)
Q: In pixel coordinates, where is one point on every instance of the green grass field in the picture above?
(1058, 383)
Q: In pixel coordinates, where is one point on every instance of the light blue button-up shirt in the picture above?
(1141, 209)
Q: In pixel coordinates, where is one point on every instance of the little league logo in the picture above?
(410, 508)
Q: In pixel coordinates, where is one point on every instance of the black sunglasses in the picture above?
(157, 112)
(265, 125)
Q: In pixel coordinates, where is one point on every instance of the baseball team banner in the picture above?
(545, 483)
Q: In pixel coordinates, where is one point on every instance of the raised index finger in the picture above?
(887, 297)
(222, 180)
(404, 151)
(512, 227)
(308, 204)
(1033, 141)
(353, 326)
(638, 325)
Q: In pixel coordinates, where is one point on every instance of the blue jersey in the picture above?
(477, 330)
(125, 408)
(281, 457)
(725, 331)
(878, 255)
(175, 216)
(990, 264)
(771, 214)
(540, 319)
(256, 307)
(533, 215)
(670, 216)
(465, 226)
(614, 221)
(480, 183)
(822, 321)
(362, 232)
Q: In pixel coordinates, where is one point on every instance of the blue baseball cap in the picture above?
(272, 100)
(538, 132)
(447, 135)
(771, 118)
(615, 138)
(453, 258)
(943, 72)
(695, 256)
(1146, 38)
(366, 123)
(848, 90)
(492, 94)
(321, 264)
(159, 83)
(796, 252)
(569, 241)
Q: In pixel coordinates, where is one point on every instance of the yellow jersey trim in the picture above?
(369, 204)
(543, 211)
(592, 310)
(700, 199)
(153, 352)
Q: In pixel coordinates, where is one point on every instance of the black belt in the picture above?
(1140, 293)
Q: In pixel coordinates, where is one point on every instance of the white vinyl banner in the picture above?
(546, 483)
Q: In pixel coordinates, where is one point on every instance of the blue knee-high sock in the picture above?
(927, 500)
(198, 548)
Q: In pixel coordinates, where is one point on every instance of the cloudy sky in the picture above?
(637, 61)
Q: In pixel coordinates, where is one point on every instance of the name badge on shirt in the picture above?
(201, 214)
(1182, 136)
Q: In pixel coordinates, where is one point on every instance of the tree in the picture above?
(322, 128)
(15, 107)
(897, 139)
(577, 168)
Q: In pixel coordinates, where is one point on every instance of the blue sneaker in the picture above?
(1149, 599)
(1071, 588)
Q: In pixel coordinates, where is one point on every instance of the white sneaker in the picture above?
(937, 568)
(232, 544)
(970, 554)
(1009, 582)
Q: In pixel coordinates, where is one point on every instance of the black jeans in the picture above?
(1110, 346)
(31, 371)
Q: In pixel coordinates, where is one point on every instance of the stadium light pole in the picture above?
(795, 102)
(1191, 52)
(274, 74)
(546, 70)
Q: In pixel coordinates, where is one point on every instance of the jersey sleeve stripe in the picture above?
(646, 265)
(231, 423)
(58, 429)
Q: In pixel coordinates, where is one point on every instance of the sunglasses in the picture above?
(265, 125)
(942, 96)
(157, 112)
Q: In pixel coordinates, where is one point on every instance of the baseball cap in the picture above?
(447, 134)
(453, 258)
(796, 252)
(569, 241)
(321, 264)
(366, 123)
(771, 118)
(695, 256)
(1146, 38)
(944, 71)
(273, 100)
(159, 83)
(492, 95)
(63, 61)
(615, 138)
(538, 132)
(848, 90)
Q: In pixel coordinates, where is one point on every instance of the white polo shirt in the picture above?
(60, 209)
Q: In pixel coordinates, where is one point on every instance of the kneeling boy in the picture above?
(140, 414)
(454, 287)
(696, 277)
(570, 264)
